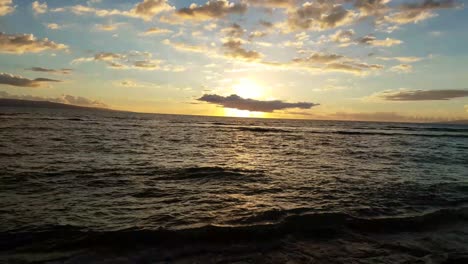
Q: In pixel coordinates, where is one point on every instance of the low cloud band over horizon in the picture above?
(237, 102)
(422, 95)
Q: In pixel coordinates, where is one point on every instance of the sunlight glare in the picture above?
(247, 88)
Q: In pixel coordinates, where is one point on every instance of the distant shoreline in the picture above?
(6, 102)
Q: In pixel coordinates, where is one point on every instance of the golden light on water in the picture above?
(243, 113)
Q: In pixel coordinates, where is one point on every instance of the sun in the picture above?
(246, 88)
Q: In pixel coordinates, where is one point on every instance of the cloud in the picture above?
(26, 43)
(416, 12)
(39, 8)
(237, 102)
(372, 7)
(145, 10)
(64, 99)
(53, 26)
(147, 64)
(132, 60)
(6, 7)
(322, 58)
(235, 50)
(318, 16)
(156, 31)
(272, 3)
(342, 36)
(373, 41)
(16, 80)
(266, 24)
(233, 31)
(181, 46)
(329, 62)
(402, 68)
(108, 27)
(55, 71)
(149, 8)
(420, 95)
(213, 9)
(401, 59)
(257, 34)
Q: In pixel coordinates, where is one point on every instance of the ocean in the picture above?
(91, 186)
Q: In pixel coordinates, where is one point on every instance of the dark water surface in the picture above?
(74, 178)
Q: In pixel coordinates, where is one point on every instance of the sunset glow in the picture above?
(353, 60)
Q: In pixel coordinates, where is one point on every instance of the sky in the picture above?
(379, 60)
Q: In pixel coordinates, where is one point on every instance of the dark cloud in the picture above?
(415, 12)
(319, 58)
(421, 95)
(237, 102)
(320, 15)
(373, 41)
(213, 9)
(55, 71)
(234, 49)
(233, 31)
(26, 43)
(15, 80)
(266, 23)
(372, 7)
(430, 5)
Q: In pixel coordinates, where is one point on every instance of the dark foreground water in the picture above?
(80, 186)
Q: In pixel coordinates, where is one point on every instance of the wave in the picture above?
(320, 225)
(344, 132)
(206, 173)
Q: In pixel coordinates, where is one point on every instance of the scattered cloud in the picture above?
(156, 31)
(329, 62)
(53, 26)
(6, 7)
(237, 102)
(213, 9)
(27, 43)
(235, 50)
(233, 31)
(39, 8)
(402, 68)
(420, 95)
(373, 41)
(372, 7)
(409, 59)
(149, 8)
(16, 80)
(64, 99)
(419, 11)
(132, 60)
(289, 4)
(318, 16)
(54, 71)
(344, 37)
(145, 10)
(108, 27)
(181, 46)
